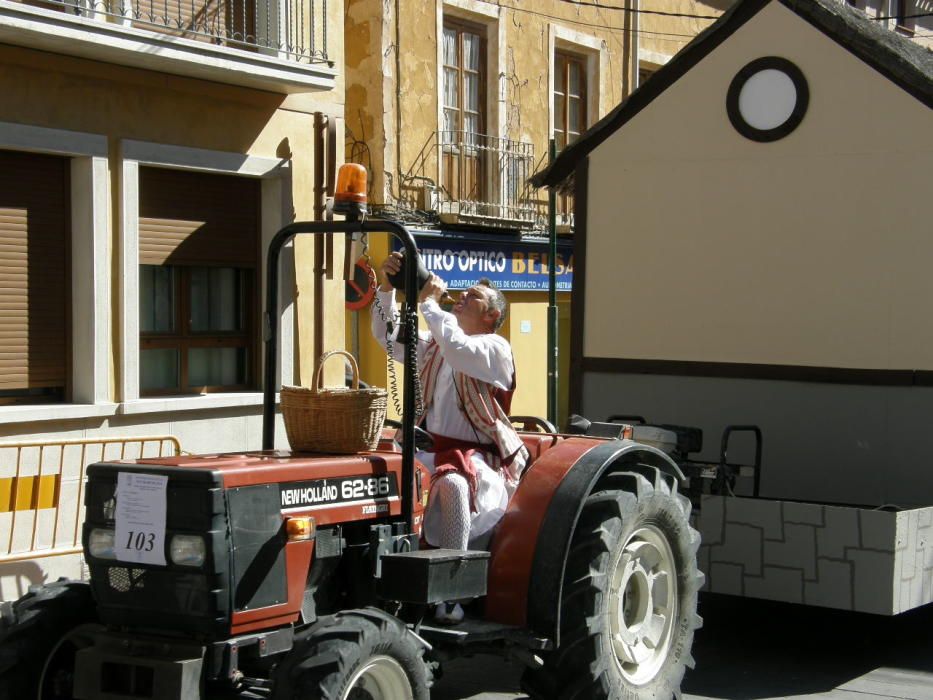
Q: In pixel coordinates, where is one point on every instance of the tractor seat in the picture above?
(537, 444)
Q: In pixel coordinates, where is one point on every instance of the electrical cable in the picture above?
(638, 11)
(924, 14)
(408, 322)
(660, 36)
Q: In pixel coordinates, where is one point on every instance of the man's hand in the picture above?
(434, 288)
(390, 266)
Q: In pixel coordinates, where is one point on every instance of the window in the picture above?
(35, 236)
(570, 116)
(198, 246)
(904, 11)
(644, 74)
(767, 99)
(464, 107)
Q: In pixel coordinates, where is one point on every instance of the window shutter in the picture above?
(189, 218)
(34, 270)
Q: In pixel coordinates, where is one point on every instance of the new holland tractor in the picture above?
(287, 575)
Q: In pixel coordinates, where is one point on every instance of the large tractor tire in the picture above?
(629, 600)
(39, 636)
(356, 655)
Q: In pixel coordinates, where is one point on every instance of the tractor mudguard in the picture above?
(532, 542)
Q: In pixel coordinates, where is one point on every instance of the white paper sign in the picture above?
(140, 526)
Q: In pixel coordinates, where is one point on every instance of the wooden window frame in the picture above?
(457, 154)
(182, 338)
(244, 255)
(902, 25)
(461, 27)
(562, 61)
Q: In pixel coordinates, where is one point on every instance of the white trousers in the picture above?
(492, 498)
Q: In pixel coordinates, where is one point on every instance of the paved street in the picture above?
(754, 650)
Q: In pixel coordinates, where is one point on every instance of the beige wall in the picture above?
(93, 110)
(662, 36)
(811, 250)
(63, 93)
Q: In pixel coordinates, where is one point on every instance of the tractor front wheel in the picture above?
(39, 636)
(357, 655)
(628, 607)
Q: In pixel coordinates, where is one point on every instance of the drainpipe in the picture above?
(325, 155)
(634, 44)
(552, 295)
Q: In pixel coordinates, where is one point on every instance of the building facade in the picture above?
(148, 156)
(909, 18)
(451, 105)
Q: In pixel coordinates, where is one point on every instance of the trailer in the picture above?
(765, 263)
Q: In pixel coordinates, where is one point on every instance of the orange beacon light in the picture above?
(350, 195)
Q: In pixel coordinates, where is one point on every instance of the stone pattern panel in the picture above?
(914, 559)
(850, 558)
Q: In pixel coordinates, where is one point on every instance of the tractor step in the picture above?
(430, 576)
(480, 632)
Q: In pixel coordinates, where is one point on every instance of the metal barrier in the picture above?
(42, 489)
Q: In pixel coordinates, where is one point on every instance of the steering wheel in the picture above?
(533, 424)
(423, 439)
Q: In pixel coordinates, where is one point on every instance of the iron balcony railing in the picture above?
(289, 29)
(477, 178)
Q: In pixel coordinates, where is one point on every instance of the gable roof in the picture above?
(901, 60)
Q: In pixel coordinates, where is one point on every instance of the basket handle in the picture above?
(353, 367)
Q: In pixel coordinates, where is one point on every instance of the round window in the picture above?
(767, 99)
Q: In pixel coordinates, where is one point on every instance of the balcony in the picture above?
(473, 178)
(278, 45)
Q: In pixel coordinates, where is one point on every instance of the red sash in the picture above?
(451, 455)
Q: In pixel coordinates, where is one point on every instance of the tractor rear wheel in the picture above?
(39, 636)
(357, 655)
(629, 600)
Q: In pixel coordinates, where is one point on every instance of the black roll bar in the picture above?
(271, 335)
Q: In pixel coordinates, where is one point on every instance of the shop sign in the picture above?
(461, 263)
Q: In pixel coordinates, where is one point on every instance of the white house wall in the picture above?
(811, 251)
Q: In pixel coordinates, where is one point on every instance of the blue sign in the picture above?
(510, 265)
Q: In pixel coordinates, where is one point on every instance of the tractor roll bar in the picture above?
(271, 335)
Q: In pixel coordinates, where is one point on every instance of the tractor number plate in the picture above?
(337, 491)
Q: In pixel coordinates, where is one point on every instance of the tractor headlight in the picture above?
(100, 543)
(188, 550)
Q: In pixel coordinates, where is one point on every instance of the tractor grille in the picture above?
(123, 580)
(168, 592)
(170, 598)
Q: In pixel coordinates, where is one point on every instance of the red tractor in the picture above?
(299, 575)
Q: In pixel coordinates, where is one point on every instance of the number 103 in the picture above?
(140, 541)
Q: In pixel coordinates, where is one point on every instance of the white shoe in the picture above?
(448, 613)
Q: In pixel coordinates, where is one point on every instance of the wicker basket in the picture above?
(333, 420)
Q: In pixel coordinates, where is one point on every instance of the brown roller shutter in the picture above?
(188, 218)
(34, 271)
